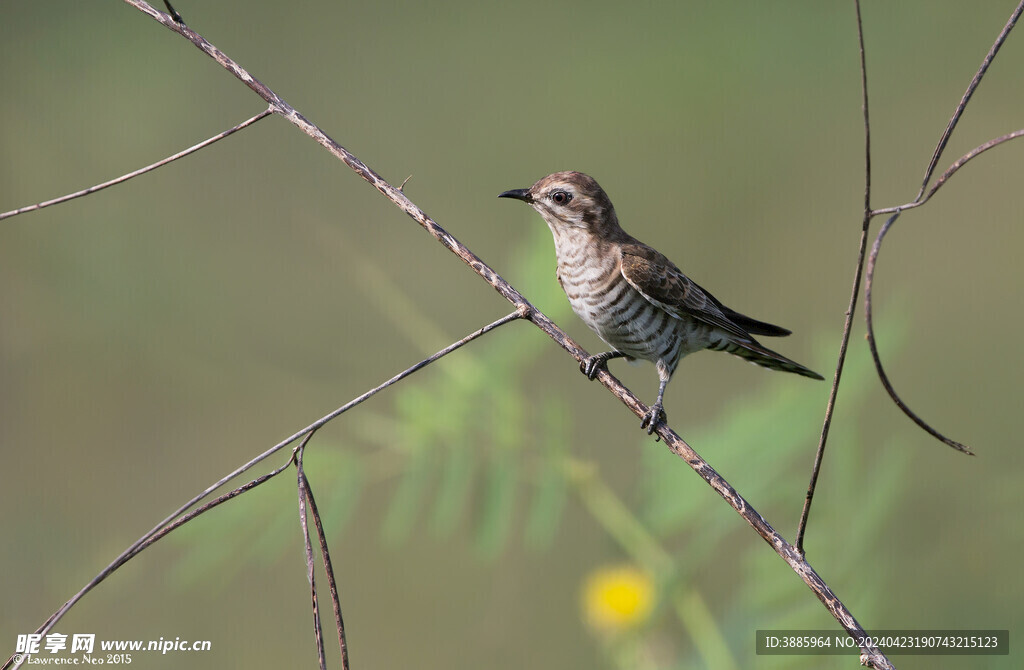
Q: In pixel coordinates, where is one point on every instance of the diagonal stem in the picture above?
(851, 309)
(125, 177)
(183, 515)
(971, 88)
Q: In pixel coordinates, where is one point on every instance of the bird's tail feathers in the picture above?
(753, 326)
(759, 355)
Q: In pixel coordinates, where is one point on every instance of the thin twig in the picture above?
(851, 309)
(169, 523)
(874, 346)
(951, 170)
(125, 177)
(971, 88)
(876, 248)
(176, 519)
(149, 539)
(976, 151)
(304, 495)
(328, 565)
(341, 153)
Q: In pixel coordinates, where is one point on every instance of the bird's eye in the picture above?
(561, 197)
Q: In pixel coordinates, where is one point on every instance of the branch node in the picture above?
(174, 13)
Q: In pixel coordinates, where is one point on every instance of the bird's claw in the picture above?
(592, 364)
(654, 417)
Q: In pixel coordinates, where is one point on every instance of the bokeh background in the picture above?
(158, 334)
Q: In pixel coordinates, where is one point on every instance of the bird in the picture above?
(635, 299)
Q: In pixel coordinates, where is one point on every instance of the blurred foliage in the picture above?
(469, 438)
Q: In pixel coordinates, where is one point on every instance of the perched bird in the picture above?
(633, 297)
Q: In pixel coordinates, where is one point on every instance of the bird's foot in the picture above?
(592, 365)
(654, 417)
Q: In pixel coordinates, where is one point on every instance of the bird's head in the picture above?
(569, 200)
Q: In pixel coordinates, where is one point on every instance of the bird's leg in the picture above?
(656, 413)
(590, 366)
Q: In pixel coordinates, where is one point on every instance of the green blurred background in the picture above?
(157, 335)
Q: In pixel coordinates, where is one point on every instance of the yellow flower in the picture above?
(617, 598)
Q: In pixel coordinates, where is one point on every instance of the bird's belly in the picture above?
(641, 329)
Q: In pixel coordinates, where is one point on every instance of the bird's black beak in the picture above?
(517, 193)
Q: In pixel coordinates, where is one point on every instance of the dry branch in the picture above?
(920, 199)
(869, 214)
(185, 513)
(125, 177)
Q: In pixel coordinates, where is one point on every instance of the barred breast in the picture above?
(592, 280)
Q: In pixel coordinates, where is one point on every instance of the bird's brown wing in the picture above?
(663, 284)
